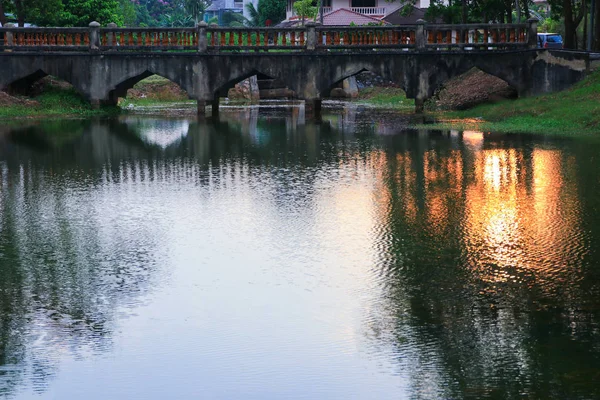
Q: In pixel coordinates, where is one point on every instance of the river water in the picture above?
(268, 257)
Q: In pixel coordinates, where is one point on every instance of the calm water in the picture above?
(265, 257)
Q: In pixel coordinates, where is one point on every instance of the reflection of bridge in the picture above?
(103, 63)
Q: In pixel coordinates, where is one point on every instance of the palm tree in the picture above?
(254, 19)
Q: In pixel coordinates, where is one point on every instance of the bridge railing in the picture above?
(372, 37)
(45, 39)
(477, 36)
(253, 39)
(311, 37)
(147, 39)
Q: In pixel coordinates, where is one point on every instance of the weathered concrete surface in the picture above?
(103, 77)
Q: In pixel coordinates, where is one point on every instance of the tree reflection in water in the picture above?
(485, 273)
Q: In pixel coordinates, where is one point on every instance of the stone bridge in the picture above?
(103, 63)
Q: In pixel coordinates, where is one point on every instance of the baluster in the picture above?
(503, 36)
(346, 38)
(512, 35)
(86, 39)
(266, 39)
(293, 38)
(302, 39)
(284, 38)
(130, 38)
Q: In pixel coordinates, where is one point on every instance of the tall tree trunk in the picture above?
(585, 27)
(596, 40)
(526, 9)
(20, 12)
(569, 25)
(2, 16)
(464, 11)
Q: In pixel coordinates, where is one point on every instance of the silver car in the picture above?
(550, 41)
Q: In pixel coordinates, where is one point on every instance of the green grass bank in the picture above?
(574, 112)
(53, 101)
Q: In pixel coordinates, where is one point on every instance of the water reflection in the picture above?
(414, 263)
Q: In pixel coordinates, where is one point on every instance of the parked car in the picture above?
(550, 41)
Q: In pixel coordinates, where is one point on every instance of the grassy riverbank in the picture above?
(54, 101)
(573, 112)
(385, 97)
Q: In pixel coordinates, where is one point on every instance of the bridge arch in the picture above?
(119, 85)
(22, 82)
(223, 90)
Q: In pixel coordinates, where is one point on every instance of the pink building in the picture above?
(374, 10)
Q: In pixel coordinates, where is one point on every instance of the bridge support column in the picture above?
(312, 108)
(215, 108)
(419, 105)
(201, 109)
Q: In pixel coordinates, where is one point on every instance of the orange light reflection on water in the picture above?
(519, 217)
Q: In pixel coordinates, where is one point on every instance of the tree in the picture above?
(573, 12)
(271, 10)
(305, 9)
(195, 8)
(2, 16)
(254, 19)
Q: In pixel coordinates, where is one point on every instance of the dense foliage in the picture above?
(121, 12)
(573, 15)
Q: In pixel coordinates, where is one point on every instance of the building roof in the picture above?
(397, 18)
(343, 16)
(216, 5)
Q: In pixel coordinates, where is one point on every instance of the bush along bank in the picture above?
(574, 112)
(50, 98)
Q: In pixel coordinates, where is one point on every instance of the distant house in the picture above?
(344, 16)
(219, 7)
(375, 10)
(397, 17)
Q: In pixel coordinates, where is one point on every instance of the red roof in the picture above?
(343, 16)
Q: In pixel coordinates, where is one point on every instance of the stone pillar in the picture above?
(532, 33)
(420, 36)
(202, 37)
(419, 105)
(312, 108)
(311, 36)
(110, 35)
(201, 109)
(8, 36)
(214, 109)
(94, 36)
